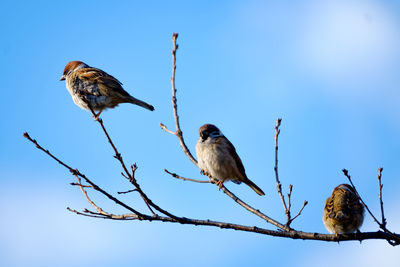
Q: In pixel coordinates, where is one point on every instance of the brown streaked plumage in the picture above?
(217, 158)
(343, 212)
(94, 87)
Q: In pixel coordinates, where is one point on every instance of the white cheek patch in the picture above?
(83, 65)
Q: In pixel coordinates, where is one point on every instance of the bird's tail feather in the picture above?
(254, 187)
(140, 103)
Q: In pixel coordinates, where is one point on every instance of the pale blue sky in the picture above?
(328, 68)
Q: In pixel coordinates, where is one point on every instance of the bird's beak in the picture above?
(62, 78)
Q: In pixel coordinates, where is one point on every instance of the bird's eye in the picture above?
(204, 134)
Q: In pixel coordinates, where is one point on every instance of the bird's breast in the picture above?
(215, 160)
(84, 92)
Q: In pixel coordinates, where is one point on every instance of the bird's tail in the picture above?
(140, 103)
(254, 187)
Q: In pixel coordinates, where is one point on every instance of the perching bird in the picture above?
(343, 212)
(217, 158)
(94, 87)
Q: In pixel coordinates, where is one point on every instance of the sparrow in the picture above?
(343, 212)
(217, 158)
(93, 87)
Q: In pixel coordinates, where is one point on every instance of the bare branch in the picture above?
(85, 214)
(99, 210)
(101, 216)
(186, 179)
(278, 183)
(178, 132)
(254, 229)
(290, 197)
(81, 185)
(126, 192)
(380, 196)
(147, 201)
(166, 129)
(298, 214)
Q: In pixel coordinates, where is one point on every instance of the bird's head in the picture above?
(72, 66)
(209, 131)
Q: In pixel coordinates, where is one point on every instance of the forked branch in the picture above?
(383, 224)
(287, 208)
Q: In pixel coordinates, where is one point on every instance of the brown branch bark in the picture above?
(380, 196)
(299, 213)
(178, 131)
(287, 207)
(186, 179)
(255, 229)
(278, 183)
(289, 195)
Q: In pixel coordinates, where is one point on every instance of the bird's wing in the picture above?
(232, 151)
(353, 204)
(329, 205)
(106, 83)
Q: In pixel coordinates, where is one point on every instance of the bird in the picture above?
(217, 158)
(343, 213)
(92, 88)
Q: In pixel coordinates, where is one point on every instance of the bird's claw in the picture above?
(220, 184)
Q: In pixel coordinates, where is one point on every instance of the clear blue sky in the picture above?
(328, 68)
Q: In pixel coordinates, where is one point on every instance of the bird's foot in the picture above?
(96, 116)
(220, 184)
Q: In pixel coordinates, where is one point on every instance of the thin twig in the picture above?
(298, 214)
(99, 210)
(380, 196)
(166, 129)
(101, 216)
(290, 197)
(145, 198)
(278, 183)
(178, 132)
(186, 179)
(81, 185)
(126, 192)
